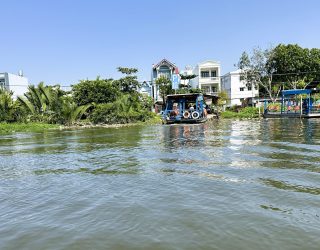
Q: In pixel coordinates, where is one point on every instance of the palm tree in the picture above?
(6, 105)
(71, 112)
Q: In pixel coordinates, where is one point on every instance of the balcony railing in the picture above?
(209, 79)
(210, 93)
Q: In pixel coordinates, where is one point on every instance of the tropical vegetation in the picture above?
(118, 100)
(95, 101)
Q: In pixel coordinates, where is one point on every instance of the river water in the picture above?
(221, 185)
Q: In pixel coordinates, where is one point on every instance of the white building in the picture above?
(238, 91)
(208, 77)
(18, 84)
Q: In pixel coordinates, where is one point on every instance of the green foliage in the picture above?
(25, 127)
(187, 77)
(223, 97)
(6, 105)
(70, 112)
(248, 112)
(146, 102)
(48, 104)
(188, 91)
(257, 71)
(165, 87)
(124, 110)
(95, 91)
(129, 83)
(127, 71)
(294, 65)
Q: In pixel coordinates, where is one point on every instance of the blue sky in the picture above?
(63, 41)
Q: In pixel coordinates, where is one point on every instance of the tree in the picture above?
(95, 91)
(292, 65)
(165, 87)
(6, 105)
(70, 112)
(187, 77)
(129, 83)
(315, 64)
(41, 99)
(256, 71)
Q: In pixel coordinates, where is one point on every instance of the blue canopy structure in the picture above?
(296, 92)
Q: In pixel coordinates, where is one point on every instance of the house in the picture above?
(238, 90)
(207, 77)
(163, 68)
(18, 84)
(145, 88)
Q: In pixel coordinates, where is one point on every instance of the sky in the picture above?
(64, 41)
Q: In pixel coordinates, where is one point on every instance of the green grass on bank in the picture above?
(39, 127)
(26, 127)
(245, 113)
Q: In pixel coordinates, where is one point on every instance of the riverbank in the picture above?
(26, 127)
(39, 127)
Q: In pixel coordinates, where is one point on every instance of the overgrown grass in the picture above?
(245, 113)
(26, 127)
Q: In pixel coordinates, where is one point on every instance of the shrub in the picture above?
(95, 91)
(248, 112)
(126, 109)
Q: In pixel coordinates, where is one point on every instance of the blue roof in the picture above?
(296, 91)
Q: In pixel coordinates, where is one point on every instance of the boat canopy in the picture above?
(296, 92)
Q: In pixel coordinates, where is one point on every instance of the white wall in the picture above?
(231, 83)
(17, 84)
(207, 65)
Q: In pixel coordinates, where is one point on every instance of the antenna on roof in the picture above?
(20, 73)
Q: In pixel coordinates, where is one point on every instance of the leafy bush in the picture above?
(95, 91)
(124, 110)
(248, 112)
(6, 105)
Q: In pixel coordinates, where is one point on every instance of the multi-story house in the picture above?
(163, 68)
(239, 92)
(18, 84)
(207, 77)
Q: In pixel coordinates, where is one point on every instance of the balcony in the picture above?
(208, 80)
(211, 93)
(215, 78)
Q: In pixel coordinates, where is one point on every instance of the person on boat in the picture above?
(191, 108)
(175, 111)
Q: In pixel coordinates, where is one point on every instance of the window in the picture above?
(205, 89)
(213, 73)
(204, 74)
(249, 88)
(164, 71)
(242, 89)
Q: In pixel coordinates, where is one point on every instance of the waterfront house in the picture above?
(238, 91)
(207, 77)
(163, 68)
(18, 84)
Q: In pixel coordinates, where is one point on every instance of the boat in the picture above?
(295, 103)
(185, 108)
